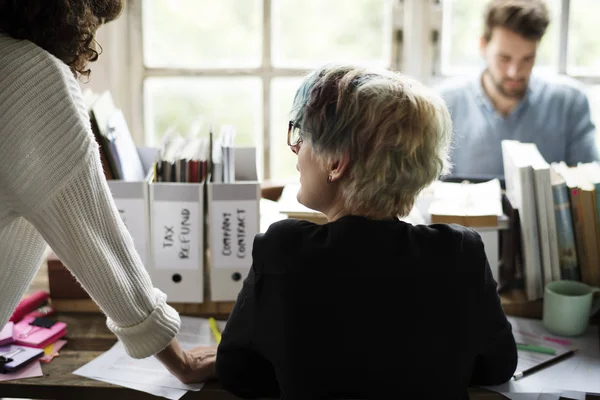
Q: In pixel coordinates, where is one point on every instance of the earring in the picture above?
(328, 178)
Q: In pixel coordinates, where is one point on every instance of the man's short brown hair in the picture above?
(528, 18)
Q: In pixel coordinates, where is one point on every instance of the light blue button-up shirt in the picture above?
(554, 114)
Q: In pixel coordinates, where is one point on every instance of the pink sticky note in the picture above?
(32, 370)
(59, 345)
(55, 348)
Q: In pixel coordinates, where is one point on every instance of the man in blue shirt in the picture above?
(506, 102)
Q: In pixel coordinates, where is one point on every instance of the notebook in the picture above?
(37, 336)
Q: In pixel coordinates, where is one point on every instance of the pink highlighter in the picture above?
(38, 336)
(29, 304)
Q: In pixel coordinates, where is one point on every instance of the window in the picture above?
(570, 46)
(240, 62)
(583, 51)
(463, 26)
(594, 97)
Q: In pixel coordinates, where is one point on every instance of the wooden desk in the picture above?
(88, 337)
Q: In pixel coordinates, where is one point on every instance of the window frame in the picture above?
(416, 50)
(138, 73)
(562, 59)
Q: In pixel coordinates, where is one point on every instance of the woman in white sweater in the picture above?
(52, 187)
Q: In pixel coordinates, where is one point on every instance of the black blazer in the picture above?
(360, 308)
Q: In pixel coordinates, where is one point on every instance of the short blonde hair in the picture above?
(396, 132)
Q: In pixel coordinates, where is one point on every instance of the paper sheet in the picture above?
(149, 375)
(467, 199)
(529, 359)
(32, 370)
(570, 377)
(169, 393)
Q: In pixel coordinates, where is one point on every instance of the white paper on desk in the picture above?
(269, 214)
(533, 396)
(540, 396)
(169, 393)
(288, 202)
(529, 359)
(116, 365)
(573, 395)
(578, 373)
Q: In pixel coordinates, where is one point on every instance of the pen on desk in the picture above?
(215, 329)
(545, 364)
(535, 349)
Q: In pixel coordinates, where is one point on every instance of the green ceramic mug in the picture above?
(568, 307)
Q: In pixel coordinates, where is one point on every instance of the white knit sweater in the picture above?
(52, 189)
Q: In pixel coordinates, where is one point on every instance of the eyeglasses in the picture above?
(293, 136)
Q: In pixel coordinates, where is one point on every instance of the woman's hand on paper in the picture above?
(189, 366)
(200, 364)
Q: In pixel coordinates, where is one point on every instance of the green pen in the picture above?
(536, 349)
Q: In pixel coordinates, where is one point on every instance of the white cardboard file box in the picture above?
(234, 222)
(177, 240)
(132, 201)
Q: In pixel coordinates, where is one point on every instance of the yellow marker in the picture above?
(215, 329)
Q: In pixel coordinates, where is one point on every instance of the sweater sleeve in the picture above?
(51, 175)
(82, 225)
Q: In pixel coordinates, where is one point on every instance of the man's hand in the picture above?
(191, 366)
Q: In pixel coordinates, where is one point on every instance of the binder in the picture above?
(177, 240)
(13, 357)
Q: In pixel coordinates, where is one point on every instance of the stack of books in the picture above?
(558, 210)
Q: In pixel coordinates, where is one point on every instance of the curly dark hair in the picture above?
(64, 28)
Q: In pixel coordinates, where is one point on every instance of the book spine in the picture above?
(588, 207)
(577, 216)
(567, 249)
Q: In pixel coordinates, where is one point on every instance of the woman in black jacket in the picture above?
(366, 306)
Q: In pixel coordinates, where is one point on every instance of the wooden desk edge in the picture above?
(59, 382)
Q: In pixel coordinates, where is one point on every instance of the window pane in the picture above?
(178, 102)
(584, 41)
(202, 33)
(463, 26)
(283, 161)
(311, 32)
(593, 93)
